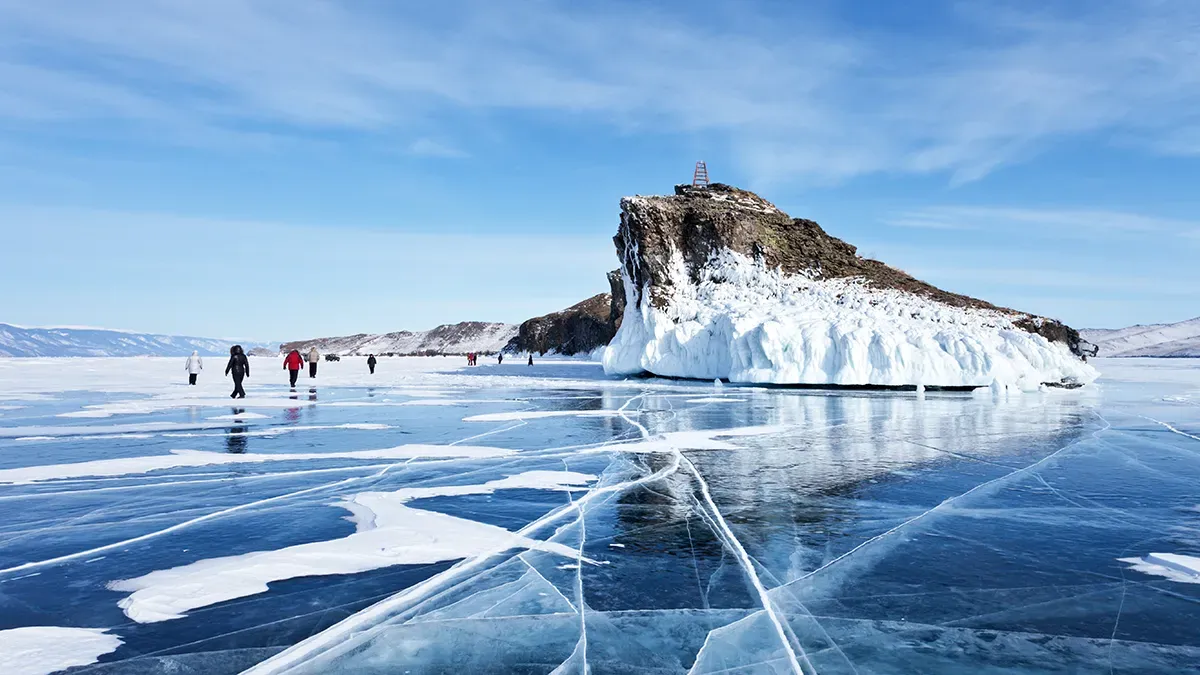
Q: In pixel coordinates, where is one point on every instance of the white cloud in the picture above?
(1064, 279)
(1082, 223)
(808, 98)
(424, 147)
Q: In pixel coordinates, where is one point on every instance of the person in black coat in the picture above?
(239, 367)
(371, 363)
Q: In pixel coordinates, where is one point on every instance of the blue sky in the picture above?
(277, 170)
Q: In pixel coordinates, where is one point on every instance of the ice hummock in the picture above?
(744, 322)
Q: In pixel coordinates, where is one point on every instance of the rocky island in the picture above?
(719, 283)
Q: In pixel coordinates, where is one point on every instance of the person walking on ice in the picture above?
(194, 365)
(239, 367)
(313, 357)
(531, 358)
(292, 364)
(499, 359)
(371, 363)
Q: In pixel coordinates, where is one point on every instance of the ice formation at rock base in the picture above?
(742, 322)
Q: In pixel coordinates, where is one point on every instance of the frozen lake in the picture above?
(516, 519)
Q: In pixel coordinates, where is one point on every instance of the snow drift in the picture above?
(721, 284)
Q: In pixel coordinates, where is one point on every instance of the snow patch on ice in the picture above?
(538, 414)
(104, 430)
(194, 458)
(690, 440)
(161, 403)
(744, 322)
(40, 650)
(536, 480)
(26, 397)
(276, 431)
(388, 532)
(1173, 566)
(715, 399)
(241, 416)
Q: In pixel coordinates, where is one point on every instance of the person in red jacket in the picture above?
(292, 364)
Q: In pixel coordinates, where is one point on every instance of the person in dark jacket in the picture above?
(239, 367)
(499, 359)
(531, 358)
(371, 363)
(292, 364)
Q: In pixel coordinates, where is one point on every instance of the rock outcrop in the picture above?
(721, 283)
(579, 329)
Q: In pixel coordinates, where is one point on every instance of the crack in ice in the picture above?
(1030, 468)
(180, 526)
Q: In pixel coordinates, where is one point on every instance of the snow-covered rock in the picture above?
(721, 284)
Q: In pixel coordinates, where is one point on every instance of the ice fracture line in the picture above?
(739, 550)
(1171, 428)
(1031, 468)
(185, 524)
(328, 638)
(748, 566)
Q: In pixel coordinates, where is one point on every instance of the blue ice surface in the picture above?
(885, 532)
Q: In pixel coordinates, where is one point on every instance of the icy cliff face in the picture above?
(721, 284)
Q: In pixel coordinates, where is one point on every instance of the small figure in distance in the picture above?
(499, 358)
(194, 365)
(531, 358)
(371, 363)
(239, 367)
(292, 364)
(313, 357)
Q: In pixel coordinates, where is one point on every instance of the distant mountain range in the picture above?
(20, 341)
(1178, 340)
(456, 338)
(1162, 339)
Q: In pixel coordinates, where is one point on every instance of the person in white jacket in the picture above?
(313, 357)
(194, 365)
